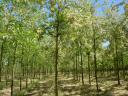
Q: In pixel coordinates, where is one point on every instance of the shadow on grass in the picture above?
(87, 90)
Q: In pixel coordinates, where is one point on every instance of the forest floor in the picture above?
(69, 87)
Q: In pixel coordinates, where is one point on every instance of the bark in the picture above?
(56, 64)
(76, 67)
(1, 57)
(89, 73)
(95, 63)
(12, 74)
(117, 67)
(56, 56)
(21, 75)
(82, 73)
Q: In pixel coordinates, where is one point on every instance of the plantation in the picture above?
(63, 48)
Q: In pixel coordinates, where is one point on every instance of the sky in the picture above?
(105, 44)
(103, 5)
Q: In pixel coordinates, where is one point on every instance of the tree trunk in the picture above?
(82, 73)
(27, 75)
(56, 63)
(1, 61)
(89, 75)
(117, 66)
(94, 56)
(95, 61)
(21, 75)
(12, 74)
(56, 56)
(7, 71)
(123, 67)
(76, 67)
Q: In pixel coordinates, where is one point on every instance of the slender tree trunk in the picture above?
(79, 74)
(123, 67)
(76, 67)
(89, 75)
(94, 51)
(12, 74)
(27, 75)
(116, 58)
(56, 56)
(1, 57)
(117, 65)
(82, 73)
(56, 63)
(21, 75)
(32, 68)
(95, 61)
(7, 71)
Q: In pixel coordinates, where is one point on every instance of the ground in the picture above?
(69, 87)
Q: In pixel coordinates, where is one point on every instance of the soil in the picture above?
(70, 87)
